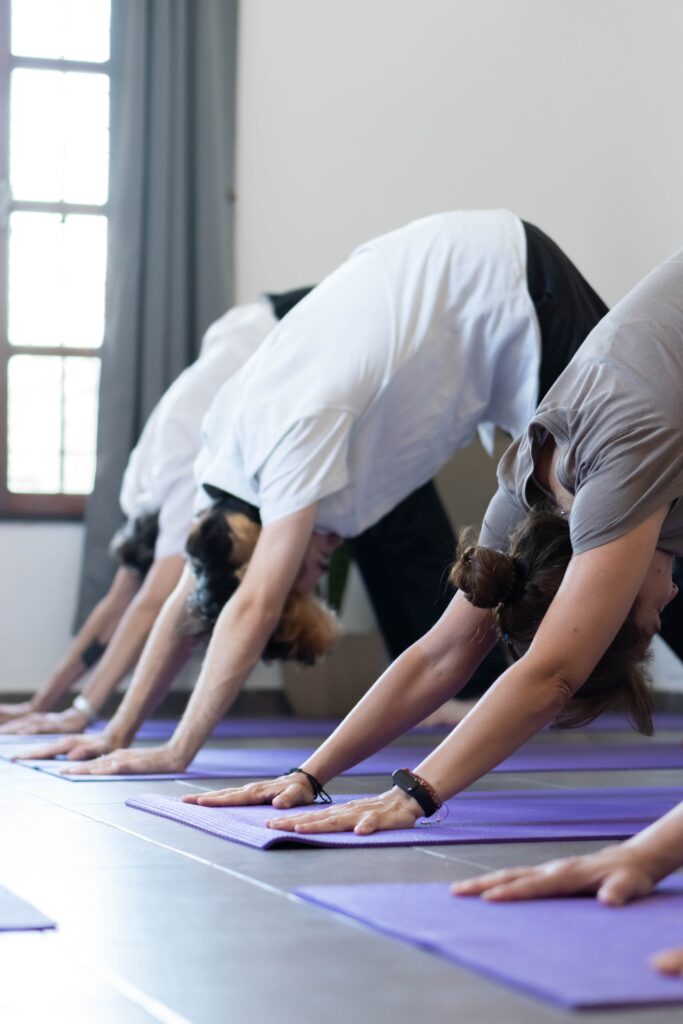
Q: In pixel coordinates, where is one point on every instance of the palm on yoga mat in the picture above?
(519, 944)
(615, 875)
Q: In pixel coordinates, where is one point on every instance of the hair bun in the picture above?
(486, 577)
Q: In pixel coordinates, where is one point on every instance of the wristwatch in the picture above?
(414, 786)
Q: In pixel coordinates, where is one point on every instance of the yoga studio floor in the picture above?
(157, 921)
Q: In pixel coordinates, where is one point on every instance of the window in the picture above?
(54, 168)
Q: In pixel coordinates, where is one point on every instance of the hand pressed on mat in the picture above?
(10, 712)
(131, 762)
(615, 875)
(70, 721)
(391, 810)
(283, 792)
(76, 748)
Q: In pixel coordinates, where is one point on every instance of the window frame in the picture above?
(30, 505)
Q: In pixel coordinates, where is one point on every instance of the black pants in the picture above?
(405, 557)
(566, 306)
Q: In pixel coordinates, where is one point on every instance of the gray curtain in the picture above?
(170, 229)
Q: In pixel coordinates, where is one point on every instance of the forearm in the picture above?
(122, 654)
(164, 654)
(412, 687)
(239, 637)
(98, 628)
(517, 707)
(132, 632)
(660, 846)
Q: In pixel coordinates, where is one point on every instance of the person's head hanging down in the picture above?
(520, 586)
(133, 544)
(220, 546)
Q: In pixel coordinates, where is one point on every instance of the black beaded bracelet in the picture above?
(317, 788)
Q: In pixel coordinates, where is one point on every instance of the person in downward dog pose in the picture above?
(572, 571)
(157, 496)
(334, 428)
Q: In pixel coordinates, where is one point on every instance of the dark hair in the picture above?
(219, 555)
(520, 586)
(133, 544)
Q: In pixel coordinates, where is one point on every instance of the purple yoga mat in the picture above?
(506, 816)
(252, 763)
(546, 948)
(16, 915)
(284, 726)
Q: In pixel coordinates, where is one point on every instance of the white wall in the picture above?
(355, 116)
(358, 115)
(40, 564)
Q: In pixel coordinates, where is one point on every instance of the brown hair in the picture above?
(520, 585)
(220, 546)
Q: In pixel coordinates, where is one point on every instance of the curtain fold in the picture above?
(170, 251)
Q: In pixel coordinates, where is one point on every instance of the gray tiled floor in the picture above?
(158, 922)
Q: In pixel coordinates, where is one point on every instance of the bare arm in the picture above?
(99, 626)
(241, 632)
(165, 652)
(122, 652)
(596, 595)
(436, 666)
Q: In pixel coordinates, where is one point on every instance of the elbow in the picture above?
(548, 689)
(559, 691)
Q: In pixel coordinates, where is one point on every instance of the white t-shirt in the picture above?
(369, 385)
(159, 474)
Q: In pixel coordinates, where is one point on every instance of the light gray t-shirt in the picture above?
(616, 415)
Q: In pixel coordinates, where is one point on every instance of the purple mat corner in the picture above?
(16, 915)
(495, 817)
(538, 946)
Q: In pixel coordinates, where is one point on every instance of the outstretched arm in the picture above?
(165, 652)
(241, 632)
(98, 628)
(122, 652)
(598, 590)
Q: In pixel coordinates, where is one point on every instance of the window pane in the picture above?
(34, 441)
(81, 390)
(35, 293)
(72, 29)
(57, 269)
(53, 452)
(85, 268)
(59, 136)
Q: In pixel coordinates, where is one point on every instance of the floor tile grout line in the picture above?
(156, 1009)
(192, 856)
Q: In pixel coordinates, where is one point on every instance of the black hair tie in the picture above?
(318, 790)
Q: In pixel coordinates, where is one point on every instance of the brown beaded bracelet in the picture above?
(419, 789)
(430, 789)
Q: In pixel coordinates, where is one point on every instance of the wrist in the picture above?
(85, 708)
(181, 751)
(419, 789)
(116, 737)
(654, 862)
(406, 802)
